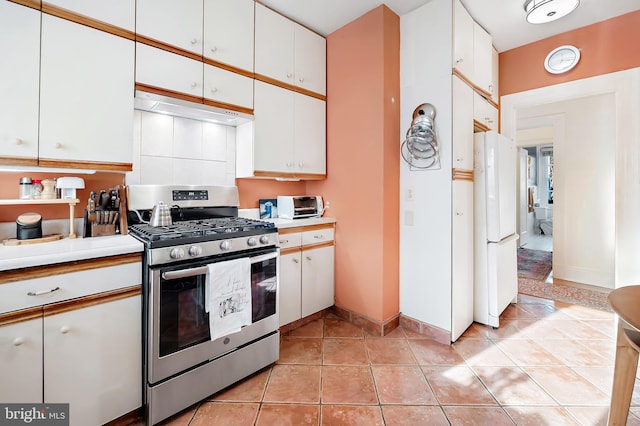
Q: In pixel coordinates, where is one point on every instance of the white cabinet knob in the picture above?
(301, 79)
(194, 40)
(194, 84)
(458, 160)
(318, 236)
(459, 60)
(300, 165)
(459, 213)
(309, 258)
(214, 49)
(289, 75)
(19, 141)
(18, 341)
(214, 89)
(65, 329)
(296, 261)
(58, 145)
(491, 88)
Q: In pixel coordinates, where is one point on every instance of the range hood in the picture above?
(151, 102)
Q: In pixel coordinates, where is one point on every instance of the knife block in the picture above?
(100, 229)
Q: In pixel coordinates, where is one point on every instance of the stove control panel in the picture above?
(164, 255)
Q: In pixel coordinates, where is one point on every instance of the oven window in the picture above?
(264, 285)
(183, 320)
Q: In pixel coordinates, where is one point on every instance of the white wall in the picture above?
(584, 188)
(425, 218)
(621, 92)
(175, 150)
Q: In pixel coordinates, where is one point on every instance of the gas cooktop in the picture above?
(201, 230)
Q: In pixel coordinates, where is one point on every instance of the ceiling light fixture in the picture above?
(543, 11)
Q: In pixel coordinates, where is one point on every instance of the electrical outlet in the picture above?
(327, 205)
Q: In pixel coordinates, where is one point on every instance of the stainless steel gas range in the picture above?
(210, 294)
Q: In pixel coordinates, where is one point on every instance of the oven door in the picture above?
(178, 335)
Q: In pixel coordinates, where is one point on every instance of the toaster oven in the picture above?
(299, 206)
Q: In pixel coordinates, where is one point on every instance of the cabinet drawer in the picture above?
(317, 236)
(15, 295)
(290, 240)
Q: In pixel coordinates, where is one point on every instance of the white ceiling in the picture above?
(503, 19)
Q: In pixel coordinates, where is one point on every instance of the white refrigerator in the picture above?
(495, 251)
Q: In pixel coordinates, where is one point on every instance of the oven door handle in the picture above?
(184, 273)
(201, 270)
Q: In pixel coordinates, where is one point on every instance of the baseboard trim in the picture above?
(424, 329)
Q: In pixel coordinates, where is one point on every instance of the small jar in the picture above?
(25, 188)
(48, 189)
(36, 190)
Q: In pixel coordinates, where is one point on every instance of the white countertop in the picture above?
(295, 223)
(66, 250)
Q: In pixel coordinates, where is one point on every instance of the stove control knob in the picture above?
(264, 239)
(225, 245)
(176, 253)
(252, 242)
(195, 251)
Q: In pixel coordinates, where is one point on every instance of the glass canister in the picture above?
(25, 188)
(36, 189)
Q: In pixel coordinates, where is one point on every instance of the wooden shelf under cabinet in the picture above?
(71, 201)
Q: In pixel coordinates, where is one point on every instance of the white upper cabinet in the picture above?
(484, 113)
(86, 94)
(166, 70)
(227, 87)
(228, 32)
(19, 86)
(121, 13)
(495, 70)
(482, 58)
(462, 132)
(310, 60)
(177, 23)
(288, 52)
(289, 135)
(463, 39)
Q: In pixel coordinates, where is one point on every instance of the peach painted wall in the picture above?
(9, 182)
(252, 190)
(605, 47)
(362, 182)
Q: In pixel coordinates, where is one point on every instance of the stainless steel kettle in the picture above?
(160, 215)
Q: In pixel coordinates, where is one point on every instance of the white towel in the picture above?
(228, 296)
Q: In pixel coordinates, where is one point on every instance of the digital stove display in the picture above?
(182, 195)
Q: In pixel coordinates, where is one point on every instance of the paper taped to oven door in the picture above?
(228, 296)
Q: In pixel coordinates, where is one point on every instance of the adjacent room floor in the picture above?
(549, 363)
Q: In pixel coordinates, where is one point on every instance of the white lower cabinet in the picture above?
(21, 361)
(317, 279)
(76, 348)
(92, 360)
(306, 272)
(461, 258)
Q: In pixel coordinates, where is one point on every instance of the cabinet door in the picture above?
(290, 287)
(462, 40)
(228, 32)
(310, 135)
(495, 76)
(310, 60)
(121, 13)
(86, 94)
(317, 279)
(273, 129)
(21, 362)
(93, 360)
(482, 58)
(228, 87)
(274, 44)
(177, 23)
(462, 258)
(166, 70)
(19, 86)
(462, 125)
(484, 112)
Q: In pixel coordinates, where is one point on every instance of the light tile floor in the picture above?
(549, 363)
